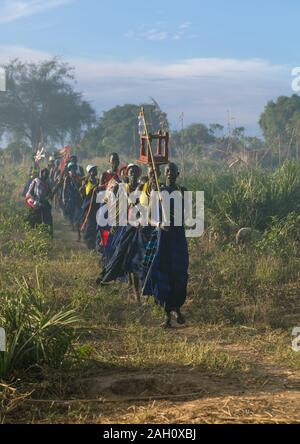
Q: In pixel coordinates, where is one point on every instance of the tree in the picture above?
(117, 129)
(254, 143)
(40, 106)
(193, 138)
(215, 129)
(16, 152)
(239, 133)
(278, 121)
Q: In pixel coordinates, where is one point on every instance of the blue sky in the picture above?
(202, 58)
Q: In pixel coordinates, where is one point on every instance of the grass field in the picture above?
(81, 354)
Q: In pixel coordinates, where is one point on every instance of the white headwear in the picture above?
(89, 168)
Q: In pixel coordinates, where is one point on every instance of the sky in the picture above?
(214, 61)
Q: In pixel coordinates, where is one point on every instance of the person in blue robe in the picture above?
(90, 207)
(72, 198)
(166, 260)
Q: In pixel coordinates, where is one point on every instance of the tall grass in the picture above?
(37, 333)
(248, 197)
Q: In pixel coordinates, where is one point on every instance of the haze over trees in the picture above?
(41, 106)
(117, 129)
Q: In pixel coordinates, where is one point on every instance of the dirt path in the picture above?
(266, 393)
(65, 239)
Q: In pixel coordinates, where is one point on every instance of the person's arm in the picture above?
(103, 179)
(30, 192)
(82, 189)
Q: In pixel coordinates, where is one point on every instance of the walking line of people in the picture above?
(153, 258)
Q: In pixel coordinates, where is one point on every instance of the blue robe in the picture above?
(159, 259)
(72, 201)
(166, 273)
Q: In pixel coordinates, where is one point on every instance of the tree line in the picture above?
(41, 108)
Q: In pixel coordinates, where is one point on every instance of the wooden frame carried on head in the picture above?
(160, 144)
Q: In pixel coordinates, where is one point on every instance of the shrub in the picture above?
(37, 333)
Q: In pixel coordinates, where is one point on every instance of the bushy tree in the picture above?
(192, 138)
(15, 152)
(41, 106)
(117, 129)
(280, 122)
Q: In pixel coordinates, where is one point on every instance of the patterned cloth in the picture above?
(167, 276)
(166, 264)
(158, 258)
(151, 250)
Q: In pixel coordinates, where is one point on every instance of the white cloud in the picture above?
(15, 9)
(204, 88)
(185, 25)
(155, 35)
(11, 52)
(160, 32)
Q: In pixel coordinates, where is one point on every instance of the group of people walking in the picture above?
(152, 257)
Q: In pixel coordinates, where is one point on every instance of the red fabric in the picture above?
(107, 177)
(65, 159)
(30, 202)
(104, 238)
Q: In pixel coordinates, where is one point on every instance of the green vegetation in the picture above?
(280, 123)
(40, 106)
(247, 197)
(240, 298)
(37, 332)
(117, 130)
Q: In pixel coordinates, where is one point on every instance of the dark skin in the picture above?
(133, 176)
(172, 174)
(151, 177)
(93, 174)
(45, 174)
(114, 160)
(74, 160)
(92, 177)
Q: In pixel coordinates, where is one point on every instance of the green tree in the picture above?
(192, 138)
(216, 129)
(16, 152)
(278, 122)
(254, 143)
(40, 106)
(117, 129)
